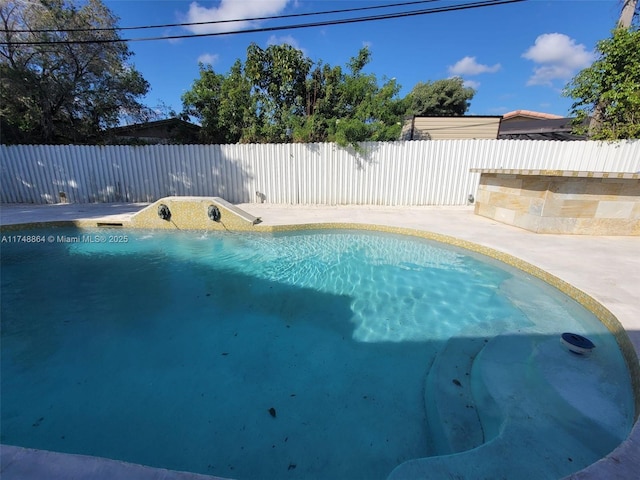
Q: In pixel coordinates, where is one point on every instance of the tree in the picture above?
(445, 98)
(613, 82)
(348, 108)
(237, 114)
(367, 112)
(223, 105)
(203, 102)
(278, 75)
(322, 96)
(279, 95)
(63, 92)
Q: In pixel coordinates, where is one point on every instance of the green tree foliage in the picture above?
(203, 102)
(610, 88)
(63, 92)
(279, 95)
(278, 76)
(367, 112)
(440, 98)
(224, 106)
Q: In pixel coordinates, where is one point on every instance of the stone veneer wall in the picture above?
(587, 203)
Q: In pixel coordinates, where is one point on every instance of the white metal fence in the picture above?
(398, 173)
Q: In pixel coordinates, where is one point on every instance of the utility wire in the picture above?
(344, 21)
(216, 22)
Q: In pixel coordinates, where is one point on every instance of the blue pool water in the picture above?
(327, 354)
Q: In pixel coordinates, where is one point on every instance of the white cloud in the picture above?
(559, 57)
(471, 84)
(231, 10)
(546, 74)
(469, 66)
(286, 39)
(210, 58)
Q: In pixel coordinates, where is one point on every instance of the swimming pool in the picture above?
(172, 349)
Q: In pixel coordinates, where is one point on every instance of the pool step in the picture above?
(532, 428)
(500, 373)
(451, 412)
(567, 390)
(583, 390)
(20, 463)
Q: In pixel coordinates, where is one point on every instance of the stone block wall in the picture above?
(586, 203)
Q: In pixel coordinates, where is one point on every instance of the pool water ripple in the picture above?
(172, 349)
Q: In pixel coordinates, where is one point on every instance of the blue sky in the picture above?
(516, 56)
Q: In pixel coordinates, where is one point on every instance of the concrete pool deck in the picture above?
(607, 268)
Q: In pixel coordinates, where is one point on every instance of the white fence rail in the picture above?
(399, 173)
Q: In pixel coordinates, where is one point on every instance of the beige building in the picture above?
(529, 125)
(445, 128)
(519, 124)
(526, 116)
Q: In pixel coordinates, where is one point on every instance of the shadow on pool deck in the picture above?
(26, 213)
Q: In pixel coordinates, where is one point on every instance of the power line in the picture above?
(216, 22)
(344, 21)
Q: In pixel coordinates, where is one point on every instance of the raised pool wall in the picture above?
(561, 202)
(192, 213)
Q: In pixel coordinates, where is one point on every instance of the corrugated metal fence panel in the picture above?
(395, 173)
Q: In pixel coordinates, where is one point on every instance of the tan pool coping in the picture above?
(607, 268)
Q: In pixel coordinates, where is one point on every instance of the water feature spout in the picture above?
(214, 213)
(163, 212)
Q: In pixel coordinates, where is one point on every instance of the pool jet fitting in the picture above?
(214, 213)
(163, 212)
